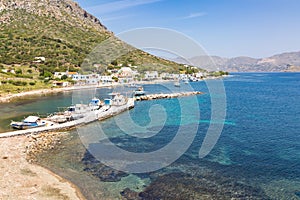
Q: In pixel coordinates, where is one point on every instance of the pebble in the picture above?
(41, 142)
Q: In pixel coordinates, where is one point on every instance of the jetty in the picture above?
(165, 96)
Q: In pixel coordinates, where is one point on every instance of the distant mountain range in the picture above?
(278, 63)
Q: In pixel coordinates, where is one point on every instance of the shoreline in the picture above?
(31, 181)
(22, 95)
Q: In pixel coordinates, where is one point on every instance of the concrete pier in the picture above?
(166, 96)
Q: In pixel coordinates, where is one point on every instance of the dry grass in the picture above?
(27, 172)
(53, 192)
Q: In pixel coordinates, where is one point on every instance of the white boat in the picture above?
(186, 81)
(30, 122)
(116, 100)
(177, 84)
(76, 111)
(95, 103)
(139, 92)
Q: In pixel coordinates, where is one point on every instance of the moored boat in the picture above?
(177, 84)
(140, 91)
(30, 122)
(76, 111)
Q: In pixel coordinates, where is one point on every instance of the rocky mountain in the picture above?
(277, 63)
(64, 34)
(62, 10)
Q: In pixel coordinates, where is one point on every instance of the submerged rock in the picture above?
(183, 186)
(129, 194)
(101, 171)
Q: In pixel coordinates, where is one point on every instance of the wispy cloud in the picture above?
(118, 5)
(194, 15)
(113, 18)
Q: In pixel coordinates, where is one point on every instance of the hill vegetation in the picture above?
(64, 34)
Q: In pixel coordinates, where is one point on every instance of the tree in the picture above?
(64, 77)
(115, 79)
(47, 74)
(114, 63)
(18, 71)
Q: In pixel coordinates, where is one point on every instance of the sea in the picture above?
(247, 124)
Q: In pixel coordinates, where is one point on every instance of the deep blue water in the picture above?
(257, 155)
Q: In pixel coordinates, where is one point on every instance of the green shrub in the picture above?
(64, 77)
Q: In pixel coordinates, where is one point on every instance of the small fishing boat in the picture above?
(116, 99)
(95, 104)
(139, 92)
(76, 111)
(177, 84)
(29, 122)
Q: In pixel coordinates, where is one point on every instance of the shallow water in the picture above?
(257, 155)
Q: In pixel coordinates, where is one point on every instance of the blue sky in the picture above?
(228, 28)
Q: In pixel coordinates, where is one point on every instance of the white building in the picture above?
(92, 79)
(68, 74)
(150, 75)
(199, 75)
(125, 75)
(169, 76)
(125, 72)
(60, 84)
(59, 74)
(183, 76)
(106, 79)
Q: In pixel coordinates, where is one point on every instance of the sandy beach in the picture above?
(23, 180)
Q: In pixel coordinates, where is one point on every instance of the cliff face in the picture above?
(62, 10)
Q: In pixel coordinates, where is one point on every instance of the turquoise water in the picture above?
(256, 157)
(40, 105)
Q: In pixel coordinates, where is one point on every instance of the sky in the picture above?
(227, 28)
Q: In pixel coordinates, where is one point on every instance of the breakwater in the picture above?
(165, 96)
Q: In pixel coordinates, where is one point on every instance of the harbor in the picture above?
(86, 114)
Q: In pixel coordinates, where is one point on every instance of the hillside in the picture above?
(60, 31)
(277, 63)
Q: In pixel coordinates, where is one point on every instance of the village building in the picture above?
(60, 83)
(67, 73)
(125, 75)
(151, 75)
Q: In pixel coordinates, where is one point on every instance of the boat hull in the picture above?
(20, 126)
